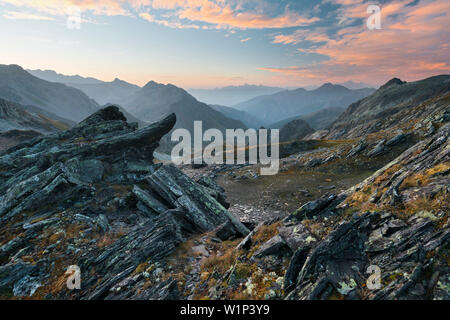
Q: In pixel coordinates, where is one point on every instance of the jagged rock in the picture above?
(275, 246)
(399, 138)
(12, 274)
(247, 241)
(226, 232)
(295, 266)
(214, 190)
(87, 171)
(167, 290)
(151, 202)
(341, 257)
(296, 236)
(410, 253)
(103, 223)
(26, 287)
(314, 163)
(379, 149)
(312, 208)
(357, 149)
(85, 185)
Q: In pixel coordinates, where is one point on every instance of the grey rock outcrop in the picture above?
(93, 197)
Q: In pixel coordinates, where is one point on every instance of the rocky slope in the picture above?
(16, 117)
(19, 86)
(19, 123)
(395, 221)
(391, 104)
(92, 197)
(9, 139)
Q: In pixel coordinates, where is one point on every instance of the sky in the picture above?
(215, 43)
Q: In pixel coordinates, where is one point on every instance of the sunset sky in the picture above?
(213, 43)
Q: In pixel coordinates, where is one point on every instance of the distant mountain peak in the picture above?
(393, 81)
(154, 86)
(329, 86)
(15, 66)
(53, 76)
(12, 68)
(151, 84)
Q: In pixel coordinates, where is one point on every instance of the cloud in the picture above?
(170, 24)
(15, 15)
(179, 13)
(318, 35)
(227, 16)
(60, 7)
(413, 43)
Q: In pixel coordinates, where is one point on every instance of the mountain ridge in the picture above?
(154, 101)
(298, 102)
(19, 86)
(388, 101)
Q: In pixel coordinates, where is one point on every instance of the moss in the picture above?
(141, 267)
(219, 263)
(244, 271)
(424, 178)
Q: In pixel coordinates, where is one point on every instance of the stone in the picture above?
(275, 246)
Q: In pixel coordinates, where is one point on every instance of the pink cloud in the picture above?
(219, 13)
(413, 43)
(226, 16)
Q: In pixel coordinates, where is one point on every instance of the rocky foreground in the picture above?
(92, 197)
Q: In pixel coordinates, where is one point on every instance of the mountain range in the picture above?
(142, 105)
(155, 101)
(317, 120)
(265, 107)
(92, 196)
(19, 86)
(373, 192)
(246, 118)
(107, 92)
(53, 76)
(294, 103)
(232, 95)
(102, 92)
